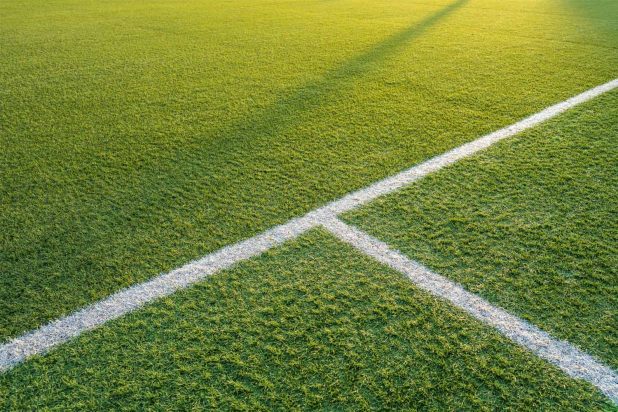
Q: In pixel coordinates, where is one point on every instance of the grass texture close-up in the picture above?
(139, 135)
(312, 325)
(531, 224)
(309, 205)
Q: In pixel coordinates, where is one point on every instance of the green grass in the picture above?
(312, 325)
(139, 135)
(531, 224)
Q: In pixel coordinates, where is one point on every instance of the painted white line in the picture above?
(57, 332)
(393, 183)
(571, 360)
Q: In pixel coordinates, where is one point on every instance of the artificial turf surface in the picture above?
(139, 135)
(311, 325)
(531, 224)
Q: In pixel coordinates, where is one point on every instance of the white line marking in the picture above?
(562, 354)
(393, 183)
(57, 332)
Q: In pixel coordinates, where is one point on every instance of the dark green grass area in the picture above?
(138, 135)
(531, 224)
(312, 325)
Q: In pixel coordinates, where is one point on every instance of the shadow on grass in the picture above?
(285, 110)
(231, 153)
(600, 23)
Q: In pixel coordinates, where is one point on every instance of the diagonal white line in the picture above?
(59, 331)
(562, 354)
(393, 183)
(41, 340)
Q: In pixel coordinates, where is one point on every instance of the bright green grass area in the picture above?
(531, 224)
(312, 325)
(137, 135)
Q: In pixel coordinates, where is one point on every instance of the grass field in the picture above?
(137, 136)
(312, 325)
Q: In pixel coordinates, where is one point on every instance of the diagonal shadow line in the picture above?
(252, 135)
(267, 122)
(284, 112)
(220, 147)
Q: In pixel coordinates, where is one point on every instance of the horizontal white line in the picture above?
(43, 339)
(562, 354)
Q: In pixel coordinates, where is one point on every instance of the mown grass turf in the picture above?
(139, 135)
(312, 325)
(531, 224)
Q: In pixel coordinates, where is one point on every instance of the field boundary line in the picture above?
(562, 354)
(46, 337)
